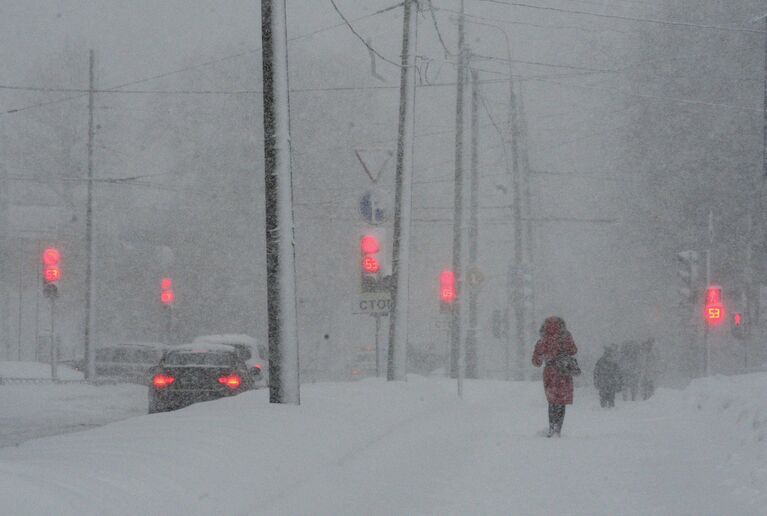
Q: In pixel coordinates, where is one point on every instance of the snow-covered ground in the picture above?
(36, 370)
(412, 447)
(31, 410)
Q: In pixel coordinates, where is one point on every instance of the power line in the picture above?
(656, 97)
(357, 34)
(185, 69)
(628, 18)
(439, 33)
(540, 63)
(529, 24)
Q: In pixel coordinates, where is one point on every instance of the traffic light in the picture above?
(374, 265)
(689, 271)
(446, 289)
(167, 296)
(51, 271)
(738, 326)
(713, 312)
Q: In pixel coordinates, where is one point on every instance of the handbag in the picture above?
(565, 364)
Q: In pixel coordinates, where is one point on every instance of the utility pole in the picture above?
(517, 272)
(54, 343)
(706, 345)
(755, 225)
(528, 210)
(4, 255)
(90, 291)
(456, 358)
(284, 384)
(471, 331)
(398, 321)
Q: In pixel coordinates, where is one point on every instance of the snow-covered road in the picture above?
(29, 410)
(410, 448)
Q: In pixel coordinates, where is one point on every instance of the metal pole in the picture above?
(471, 331)
(398, 318)
(88, 337)
(284, 385)
(168, 325)
(5, 245)
(37, 305)
(378, 353)
(516, 206)
(455, 319)
(706, 345)
(21, 296)
(54, 347)
(706, 357)
(764, 109)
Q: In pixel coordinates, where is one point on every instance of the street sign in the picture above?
(374, 161)
(474, 277)
(372, 303)
(374, 207)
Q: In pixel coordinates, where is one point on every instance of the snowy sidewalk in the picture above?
(410, 448)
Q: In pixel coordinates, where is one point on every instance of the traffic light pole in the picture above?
(168, 325)
(377, 344)
(706, 345)
(54, 346)
(471, 331)
(89, 244)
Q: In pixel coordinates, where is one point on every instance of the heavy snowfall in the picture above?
(376, 257)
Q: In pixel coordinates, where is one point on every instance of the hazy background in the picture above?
(645, 124)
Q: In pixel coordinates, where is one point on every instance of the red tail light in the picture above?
(232, 381)
(160, 381)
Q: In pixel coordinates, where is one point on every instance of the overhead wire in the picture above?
(359, 36)
(687, 25)
(195, 66)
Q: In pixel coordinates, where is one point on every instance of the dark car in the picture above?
(190, 373)
(251, 351)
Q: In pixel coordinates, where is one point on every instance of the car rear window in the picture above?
(213, 358)
(243, 351)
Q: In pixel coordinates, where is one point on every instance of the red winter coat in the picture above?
(558, 387)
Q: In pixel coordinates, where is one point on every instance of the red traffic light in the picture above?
(369, 244)
(51, 270)
(447, 286)
(714, 313)
(737, 319)
(166, 292)
(51, 256)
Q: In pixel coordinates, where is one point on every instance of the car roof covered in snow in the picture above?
(202, 347)
(134, 344)
(227, 338)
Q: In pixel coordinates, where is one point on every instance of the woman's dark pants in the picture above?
(556, 418)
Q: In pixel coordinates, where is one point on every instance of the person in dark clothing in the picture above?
(607, 378)
(555, 339)
(629, 365)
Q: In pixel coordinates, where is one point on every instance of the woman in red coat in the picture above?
(554, 340)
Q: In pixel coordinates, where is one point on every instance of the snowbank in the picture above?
(33, 410)
(37, 370)
(373, 447)
(740, 402)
